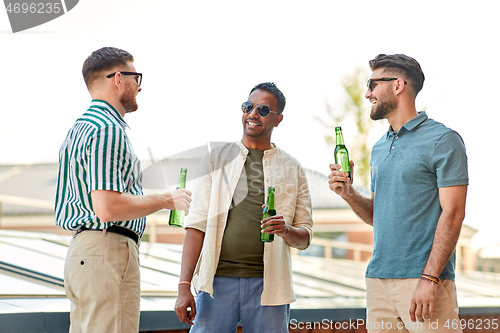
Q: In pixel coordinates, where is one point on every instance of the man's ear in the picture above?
(279, 118)
(400, 86)
(117, 79)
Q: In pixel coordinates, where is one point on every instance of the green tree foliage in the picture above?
(354, 109)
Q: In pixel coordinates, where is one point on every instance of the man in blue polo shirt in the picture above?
(419, 184)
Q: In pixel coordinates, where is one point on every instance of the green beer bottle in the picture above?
(341, 153)
(177, 216)
(267, 212)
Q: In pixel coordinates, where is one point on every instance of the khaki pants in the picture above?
(388, 307)
(102, 281)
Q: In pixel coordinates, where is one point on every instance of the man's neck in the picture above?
(112, 101)
(252, 143)
(401, 116)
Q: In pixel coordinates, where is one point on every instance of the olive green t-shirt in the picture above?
(241, 250)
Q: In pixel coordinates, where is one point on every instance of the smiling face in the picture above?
(257, 130)
(381, 96)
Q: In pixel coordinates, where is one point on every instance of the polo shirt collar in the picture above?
(410, 125)
(103, 105)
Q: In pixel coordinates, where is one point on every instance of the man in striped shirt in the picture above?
(99, 197)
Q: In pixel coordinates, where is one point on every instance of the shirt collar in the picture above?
(271, 151)
(410, 125)
(266, 152)
(105, 106)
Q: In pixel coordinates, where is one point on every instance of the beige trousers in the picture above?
(388, 307)
(102, 281)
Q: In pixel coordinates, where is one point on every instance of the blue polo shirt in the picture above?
(407, 170)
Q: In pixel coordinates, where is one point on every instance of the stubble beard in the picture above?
(129, 102)
(383, 109)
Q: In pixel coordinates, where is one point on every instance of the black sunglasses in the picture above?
(138, 76)
(262, 109)
(369, 84)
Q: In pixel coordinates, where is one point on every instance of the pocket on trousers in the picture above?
(119, 259)
(81, 266)
(113, 262)
(447, 294)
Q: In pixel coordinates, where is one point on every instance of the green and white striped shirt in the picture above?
(96, 155)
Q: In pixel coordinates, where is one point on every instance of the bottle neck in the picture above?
(270, 200)
(339, 138)
(182, 180)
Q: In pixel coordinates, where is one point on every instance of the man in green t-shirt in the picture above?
(237, 277)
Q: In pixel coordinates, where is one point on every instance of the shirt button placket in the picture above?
(393, 146)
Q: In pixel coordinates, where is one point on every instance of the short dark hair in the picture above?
(271, 88)
(105, 58)
(401, 64)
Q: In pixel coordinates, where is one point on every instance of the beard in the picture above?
(383, 109)
(129, 102)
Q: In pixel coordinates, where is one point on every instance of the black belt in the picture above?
(115, 230)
